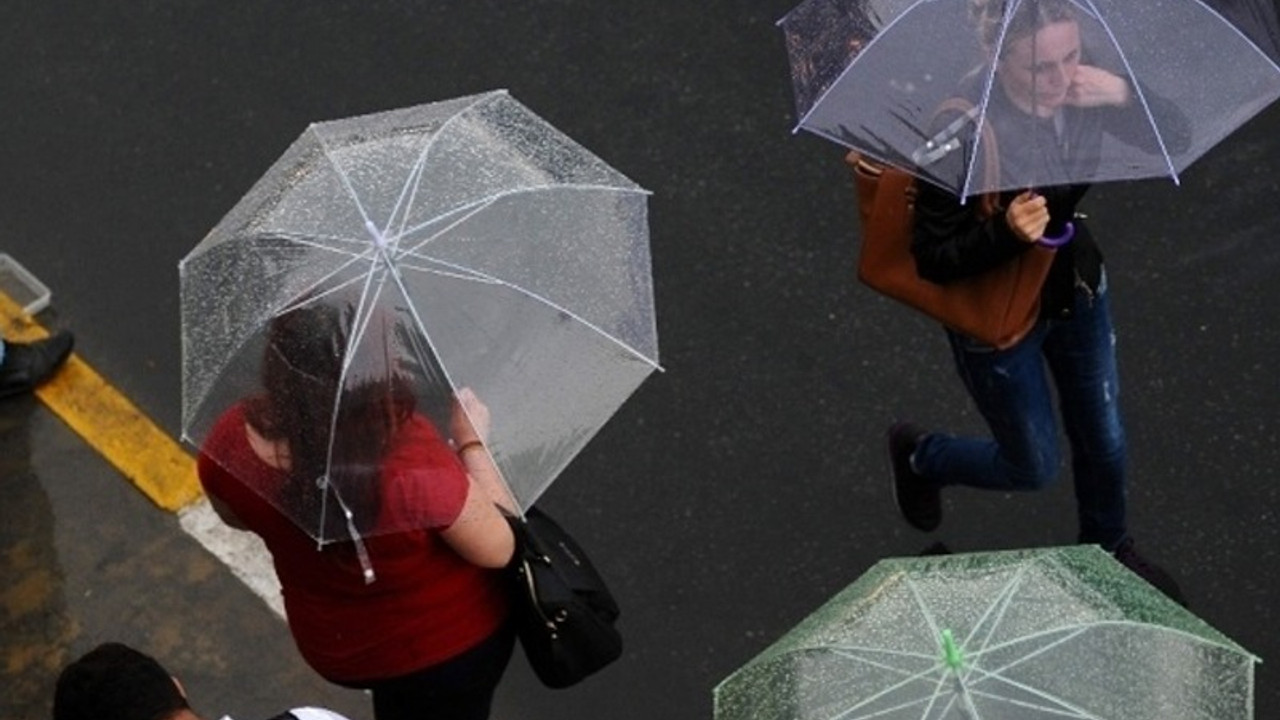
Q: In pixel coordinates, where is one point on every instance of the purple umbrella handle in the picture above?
(1058, 241)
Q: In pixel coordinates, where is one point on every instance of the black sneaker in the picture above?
(919, 502)
(27, 365)
(1149, 571)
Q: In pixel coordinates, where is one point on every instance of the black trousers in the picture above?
(458, 689)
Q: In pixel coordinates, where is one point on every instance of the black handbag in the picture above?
(564, 612)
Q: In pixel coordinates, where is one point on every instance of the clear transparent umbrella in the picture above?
(873, 75)
(1040, 634)
(463, 244)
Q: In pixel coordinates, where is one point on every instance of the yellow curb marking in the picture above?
(112, 425)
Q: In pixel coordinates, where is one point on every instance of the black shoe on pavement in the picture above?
(27, 365)
(919, 502)
(1149, 571)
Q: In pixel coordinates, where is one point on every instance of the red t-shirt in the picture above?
(427, 604)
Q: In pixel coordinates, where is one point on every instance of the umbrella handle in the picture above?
(1057, 241)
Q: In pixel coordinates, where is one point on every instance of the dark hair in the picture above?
(301, 371)
(115, 682)
(1032, 15)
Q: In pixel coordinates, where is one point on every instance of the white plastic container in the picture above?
(21, 286)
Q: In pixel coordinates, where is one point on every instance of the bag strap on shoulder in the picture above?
(988, 202)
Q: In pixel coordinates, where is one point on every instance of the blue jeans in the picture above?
(1011, 390)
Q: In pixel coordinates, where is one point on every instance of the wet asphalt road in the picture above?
(737, 490)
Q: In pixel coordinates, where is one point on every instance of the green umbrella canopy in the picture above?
(1050, 633)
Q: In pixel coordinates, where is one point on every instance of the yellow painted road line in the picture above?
(147, 456)
(109, 423)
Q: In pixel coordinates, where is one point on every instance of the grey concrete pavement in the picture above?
(85, 558)
(746, 484)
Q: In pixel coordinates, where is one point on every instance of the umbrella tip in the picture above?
(951, 653)
(379, 237)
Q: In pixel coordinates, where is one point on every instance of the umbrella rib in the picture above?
(364, 317)
(1079, 711)
(1137, 90)
(426, 362)
(1105, 623)
(1075, 631)
(1240, 33)
(458, 274)
(485, 277)
(414, 179)
(305, 298)
(333, 429)
(422, 329)
(1002, 601)
(910, 677)
(937, 692)
(415, 174)
(309, 240)
(1070, 630)
(854, 61)
(297, 301)
(913, 678)
(467, 211)
(845, 714)
(881, 651)
(1072, 712)
(998, 676)
(883, 666)
(985, 102)
(346, 183)
(934, 631)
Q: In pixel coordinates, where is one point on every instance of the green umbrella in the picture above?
(1028, 634)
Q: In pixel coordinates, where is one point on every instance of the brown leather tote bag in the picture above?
(998, 307)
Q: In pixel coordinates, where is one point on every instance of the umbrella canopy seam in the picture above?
(536, 297)
(1136, 87)
(1232, 26)
(415, 174)
(488, 200)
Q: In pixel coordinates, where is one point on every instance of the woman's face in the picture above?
(1036, 71)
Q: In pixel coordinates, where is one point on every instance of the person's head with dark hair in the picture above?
(301, 371)
(305, 384)
(115, 682)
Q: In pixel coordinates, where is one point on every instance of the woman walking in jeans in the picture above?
(1042, 83)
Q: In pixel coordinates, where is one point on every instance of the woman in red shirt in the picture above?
(430, 636)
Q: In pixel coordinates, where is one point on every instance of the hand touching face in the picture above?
(1093, 87)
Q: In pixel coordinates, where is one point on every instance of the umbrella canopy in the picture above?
(873, 75)
(1028, 635)
(390, 261)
